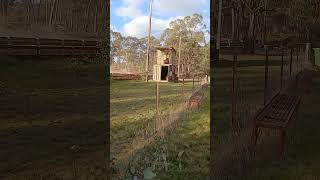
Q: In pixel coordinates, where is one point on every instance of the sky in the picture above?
(131, 17)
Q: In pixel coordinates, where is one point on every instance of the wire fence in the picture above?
(140, 153)
(243, 84)
(252, 84)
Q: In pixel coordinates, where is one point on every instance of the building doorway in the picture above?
(164, 72)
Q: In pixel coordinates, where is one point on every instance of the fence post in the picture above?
(193, 82)
(183, 87)
(297, 62)
(63, 49)
(281, 84)
(307, 51)
(9, 44)
(234, 93)
(38, 46)
(266, 69)
(157, 108)
(291, 55)
(83, 47)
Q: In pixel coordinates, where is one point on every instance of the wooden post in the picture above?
(83, 47)
(9, 44)
(281, 83)
(179, 55)
(183, 87)
(232, 24)
(63, 50)
(266, 77)
(157, 107)
(38, 46)
(255, 135)
(297, 63)
(234, 93)
(282, 141)
(291, 55)
(193, 82)
(265, 22)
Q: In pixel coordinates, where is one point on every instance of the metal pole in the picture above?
(291, 55)
(297, 62)
(265, 21)
(157, 107)
(193, 82)
(179, 55)
(232, 25)
(183, 87)
(148, 48)
(266, 77)
(281, 84)
(234, 99)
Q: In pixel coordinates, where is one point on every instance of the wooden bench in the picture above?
(277, 115)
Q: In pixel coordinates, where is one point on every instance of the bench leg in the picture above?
(255, 135)
(282, 141)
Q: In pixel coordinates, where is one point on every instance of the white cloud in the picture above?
(138, 27)
(113, 28)
(129, 9)
(181, 7)
(138, 19)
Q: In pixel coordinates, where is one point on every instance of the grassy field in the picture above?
(189, 146)
(132, 113)
(52, 118)
(301, 160)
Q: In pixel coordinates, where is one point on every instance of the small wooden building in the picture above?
(166, 66)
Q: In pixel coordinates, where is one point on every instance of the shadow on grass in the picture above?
(63, 122)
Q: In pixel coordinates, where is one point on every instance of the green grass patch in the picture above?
(132, 113)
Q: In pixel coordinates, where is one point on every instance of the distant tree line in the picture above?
(131, 51)
(67, 15)
(265, 20)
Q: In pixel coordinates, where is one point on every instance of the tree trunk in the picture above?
(219, 25)
(52, 11)
(38, 14)
(265, 22)
(251, 32)
(87, 16)
(56, 12)
(233, 23)
(96, 20)
(5, 11)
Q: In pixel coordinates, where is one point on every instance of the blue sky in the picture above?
(130, 17)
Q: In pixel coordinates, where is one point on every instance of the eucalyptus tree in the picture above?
(191, 30)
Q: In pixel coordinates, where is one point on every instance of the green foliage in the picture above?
(131, 51)
(194, 49)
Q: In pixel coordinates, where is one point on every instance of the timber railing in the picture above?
(48, 47)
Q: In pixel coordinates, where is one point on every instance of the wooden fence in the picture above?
(119, 76)
(48, 47)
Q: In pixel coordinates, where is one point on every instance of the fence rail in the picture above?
(48, 47)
